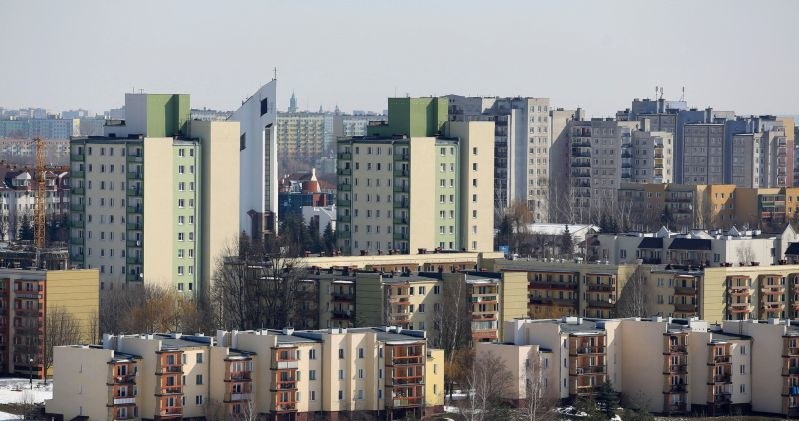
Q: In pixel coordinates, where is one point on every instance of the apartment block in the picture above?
(674, 366)
(17, 196)
(695, 247)
(386, 200)
(300, 136)
(258, 175)
(44, 128)
(522, 142)
(26, 298)
(278, 375)
(605, 154)
(150, 200)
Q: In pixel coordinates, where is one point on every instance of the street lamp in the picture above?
(30, 371)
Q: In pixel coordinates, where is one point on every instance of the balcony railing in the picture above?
(723, 378)
(720, 359)
(684, 290)
(593, 369)
(590, 350)
(285, 365)
(170, 368)
(600, 287)
(124, 401)
(676, 388)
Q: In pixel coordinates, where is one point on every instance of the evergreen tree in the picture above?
(608, 400)
(329, 238)
(26, 228)
(567, 243)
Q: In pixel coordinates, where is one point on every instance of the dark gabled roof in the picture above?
(651, 243)
(793, 249)
(690, 244)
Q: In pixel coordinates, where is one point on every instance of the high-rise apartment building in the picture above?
(45, 128)
(151, 200)
(522, 141)
(386, 372)
(416, 182)
(300, 137)
(258, 176)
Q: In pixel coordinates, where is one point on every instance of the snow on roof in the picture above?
(558, 229)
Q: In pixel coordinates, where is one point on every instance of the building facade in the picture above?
(258, 173)
(278, 375)
(151, 198)
(386, 201)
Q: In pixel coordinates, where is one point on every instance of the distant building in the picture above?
(305, 190)
(17, 199)
(323, 215)
(45, 128)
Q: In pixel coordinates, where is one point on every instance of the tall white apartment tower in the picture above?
(258, 157)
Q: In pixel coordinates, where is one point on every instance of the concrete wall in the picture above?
(159, 223)
(86, 392)
(78, 293)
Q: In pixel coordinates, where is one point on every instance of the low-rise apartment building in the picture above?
(26, 299)
(695, 247)
(279, 375)
(671, 366)
(712, 293)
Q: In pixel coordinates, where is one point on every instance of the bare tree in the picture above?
(150, 308)
(4, 227)
(634, 296)
(745, 254)
(488, 382)
(537, 405)
(452, 330)
(257, 285)
(62, 328)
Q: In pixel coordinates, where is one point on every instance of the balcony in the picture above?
(772, 306)
(689, 308)
(773, 289)
(400, 236)
(684, 290)
(401, 188)
(742, 291)
(135, 209)
(601, 303)
(341, 314)
(285, 364)
(134, 157)
(741, 307)
(77, 174)
(675, 388)
(719, 359)
(591, 369)
(133, 260)
(343, 203)
(281, 385)
(345, 156)
(566, 286)
(401, 157)
(77, 191)
(76, 241)
(124, 401)
(171, 390)
(401, 204)
(135, 191)
(721, 398)
(285, 406)
(405, 402)
(76, 224)
(401, 220)
(676, 369)
(134, 226)
(677, 349)
(345, 187)
(722, 378)
(601, 287)
(237, 397)
(135, 175)
(171, 412)
(76, 207)
(169, 369)
(77, 157)
(240, 376)
(590, 350)
(342, 296)
(135, 243)
(344, 171)
(790, 371)
(124, 379)
(401, 172)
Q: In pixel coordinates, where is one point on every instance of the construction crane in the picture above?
(39, 198)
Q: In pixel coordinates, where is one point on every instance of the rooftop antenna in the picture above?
(682, 97)
(661, 92)
(274, 70)
(656, 92)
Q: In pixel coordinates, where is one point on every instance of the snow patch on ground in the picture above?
(17, 390)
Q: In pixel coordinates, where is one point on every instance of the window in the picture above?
(360, 394)
(340, 395)
(421, 308)
(199, 358)
(264, 106)
(341, 353)
(199, 379)
(198, 400)
(360, 353)
(312, 375)
(360, 373)
(181, 169)
(743, 369)
(180, 236)
(341, 374)
(313, 395)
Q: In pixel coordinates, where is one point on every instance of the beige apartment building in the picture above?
(712, 293)
(278, 375)
(26, 298)
(703, 153)
(673, 366)
(417, 182)
(155, 179)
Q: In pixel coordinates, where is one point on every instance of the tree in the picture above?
(26, 227)
(329, 239)
(151, 308)
(488, 383)
(537, 405)
(608, 400)
(452, 322)
(62, 328)
(257, 284)
(634, 296)
(5, 225)
(566, 243)
(636, 408)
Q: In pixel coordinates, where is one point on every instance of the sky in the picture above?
(598, 55)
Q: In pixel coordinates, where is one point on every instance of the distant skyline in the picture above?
(598, 55)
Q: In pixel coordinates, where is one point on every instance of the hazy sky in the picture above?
(739, 55)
